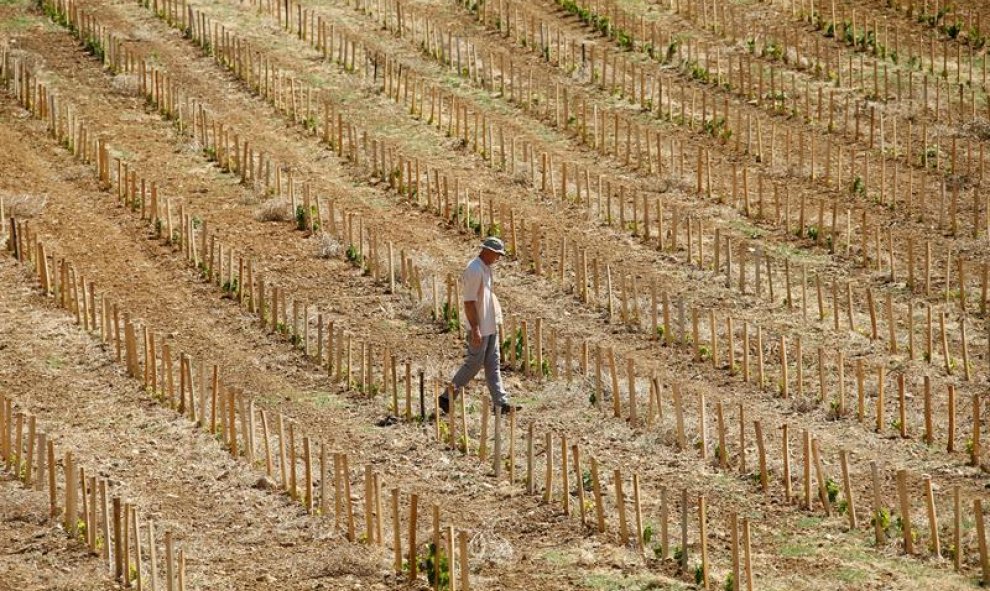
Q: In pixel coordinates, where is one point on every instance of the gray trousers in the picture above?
(484, 355)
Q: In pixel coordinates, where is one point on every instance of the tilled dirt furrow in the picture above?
(37, 554)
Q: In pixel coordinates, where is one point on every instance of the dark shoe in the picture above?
(505, 408)
(444, 402)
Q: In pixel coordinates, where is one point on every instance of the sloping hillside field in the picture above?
(744, 298)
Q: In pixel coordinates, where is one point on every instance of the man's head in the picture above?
(492, 249)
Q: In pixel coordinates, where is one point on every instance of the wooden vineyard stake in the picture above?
(436, 543)
(785, 450)
(512, 445)
(5, 422)
(957, 527)
(181, 582)
(951, 436)
(379, 513)
(169, 562)
(934, 544)
(761, 449)
(530, 484)
(70, 492)
(847, 489)
(579, 482)
(620, 503)
(734, 544)
(974, 442)
(981, 539)
(497, 446)
(820, 476)
(396, 534)
(483, 438)
(548, 480)
(345, 474)
(338, 489)
(703, 536)
(293, 481)
(105, 519)
(684, 530)
(703, 425)
(152, 556)
(452, 417)
(616, 403)
(631, 373)
(783, 367)
(596, 487)
(52, 492)
(268, 448)
(124, 541)
(881, 380)
(324, 505)
(879, 532)
(41, 478)
(747, 554)
(308, 480)
(679, 416)
(413, 509)
(565, 489)
(637, 507)
(465, 571)
(806, 457)
(742, 438)
(723, 460)
(29, 457)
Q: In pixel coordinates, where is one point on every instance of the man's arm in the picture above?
(472, 285)
(471, 311)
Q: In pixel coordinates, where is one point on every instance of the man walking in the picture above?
(483, 313)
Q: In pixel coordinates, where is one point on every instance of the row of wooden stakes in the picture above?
(232, 53)
(320, 340)
(660, 231)
(651, 87)
(226, 412)
(804, 226)
(939, 188)
(85, 503)
(127, 345)
(202, 405)
(229, 429)
(650, 96)
(276, 316)
(732, 25)
(525, 365)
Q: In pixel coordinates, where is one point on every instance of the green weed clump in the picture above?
(436, 566)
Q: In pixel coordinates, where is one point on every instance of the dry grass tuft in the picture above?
(22, 205)
(328, 246)
(274, 210)
(979, 128)
(125, 84)
(347, 560)
(490, 548)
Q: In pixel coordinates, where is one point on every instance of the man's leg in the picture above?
(473, 362)
(493, 370)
